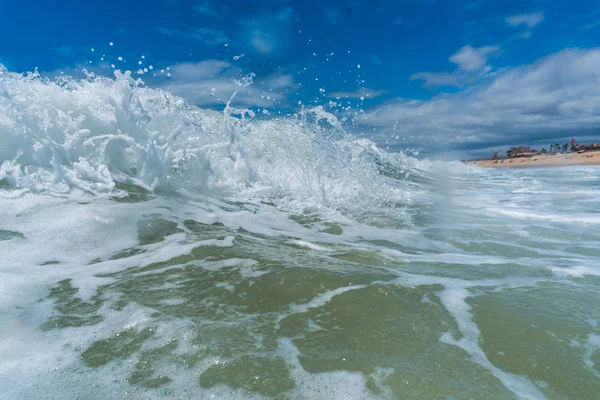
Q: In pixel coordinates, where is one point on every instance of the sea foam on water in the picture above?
(158, 249)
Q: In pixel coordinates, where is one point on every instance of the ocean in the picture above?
(154, 250)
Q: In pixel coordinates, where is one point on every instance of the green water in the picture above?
(238, 314)
(492, 294)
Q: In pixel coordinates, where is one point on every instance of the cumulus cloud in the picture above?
(210, 37)
(471, 59)
(555, 97)
(207, 83)
(263, 42)
(471, 66)
(433, 79)
(211, 82)
(529, 21)
(362, 92)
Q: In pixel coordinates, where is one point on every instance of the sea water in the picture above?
(149, 249)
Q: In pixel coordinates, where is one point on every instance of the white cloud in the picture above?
(471, 59)
(555, 97)
(262, 42)
(210, 37)
(206, 83)
(267, 33)
(362, 92)
(471, 63)
(201, 71)
(212, 83)
(523, 35)
(205, 8)
(529, 20)
(434, 79)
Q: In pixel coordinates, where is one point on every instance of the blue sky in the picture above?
(471, 76)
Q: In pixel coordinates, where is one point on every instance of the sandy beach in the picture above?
(550, 160)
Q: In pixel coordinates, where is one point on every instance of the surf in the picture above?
(159, 249)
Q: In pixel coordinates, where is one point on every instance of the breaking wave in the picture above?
(100, 135)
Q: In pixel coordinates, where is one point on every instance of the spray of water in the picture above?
(97, 134)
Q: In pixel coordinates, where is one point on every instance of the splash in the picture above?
(96, 134)
(203, 288)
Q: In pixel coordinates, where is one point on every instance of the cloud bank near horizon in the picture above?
(554, 97)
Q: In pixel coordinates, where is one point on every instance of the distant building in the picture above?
(520, 151)
(586, 147)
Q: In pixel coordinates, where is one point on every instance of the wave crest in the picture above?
(90, 134)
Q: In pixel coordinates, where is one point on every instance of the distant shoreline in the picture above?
(543, 160)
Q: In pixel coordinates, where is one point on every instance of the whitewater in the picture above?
(153, 249)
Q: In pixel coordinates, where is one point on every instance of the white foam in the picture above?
(454, 301)
(172, 302)
(591, 346)
(67, 143)
(320, 300)
(308, 245)
(338, 385)
(88, 134)
(453, 298)
(528, 215)
(576, 271)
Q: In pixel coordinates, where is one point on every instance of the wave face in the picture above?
(92, 135)
(158, 249)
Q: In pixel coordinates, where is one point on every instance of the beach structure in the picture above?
(520, 151)
(586, 147)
